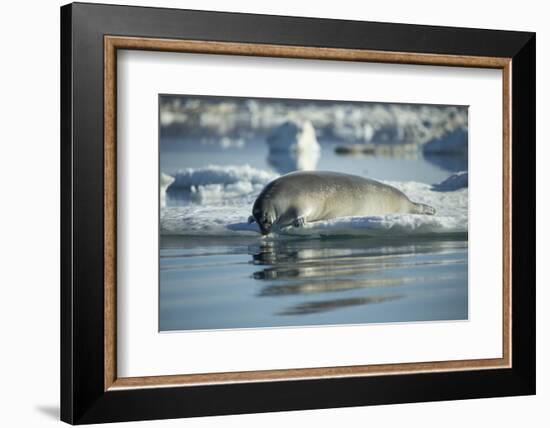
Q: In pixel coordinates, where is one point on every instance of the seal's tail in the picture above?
(424, 209)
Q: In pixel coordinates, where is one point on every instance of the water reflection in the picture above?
(306, 269)
(327, 305)
(325, 286)
(214, 283)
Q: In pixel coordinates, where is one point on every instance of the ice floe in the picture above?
(216, 201)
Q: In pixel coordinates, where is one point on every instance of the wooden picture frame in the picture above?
(91, 391)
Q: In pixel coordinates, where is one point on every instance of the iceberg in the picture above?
(454, 142)
(454, 182)
(293, 135)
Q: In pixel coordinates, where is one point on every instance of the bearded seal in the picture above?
(307, 196)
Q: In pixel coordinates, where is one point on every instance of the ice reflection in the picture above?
(327, 305)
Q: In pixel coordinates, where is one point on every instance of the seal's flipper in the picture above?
(300, 221)
(251, 219)
(424, 209)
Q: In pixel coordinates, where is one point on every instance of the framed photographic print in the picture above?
(265, 213)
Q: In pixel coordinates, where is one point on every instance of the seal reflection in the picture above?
(213, 283)
(323, 273)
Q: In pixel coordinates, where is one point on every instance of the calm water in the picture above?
(228, 282)
(216, 284)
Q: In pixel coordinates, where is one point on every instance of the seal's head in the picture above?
(262, 211)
